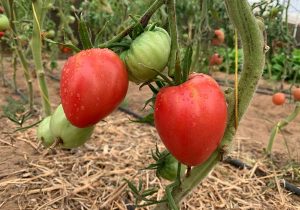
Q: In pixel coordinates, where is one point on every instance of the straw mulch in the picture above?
(92, 176)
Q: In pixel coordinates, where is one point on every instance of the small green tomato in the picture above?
(44, 133)
(70, 136)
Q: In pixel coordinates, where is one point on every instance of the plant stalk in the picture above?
(36, 47)
(281, 124)
(10, 11)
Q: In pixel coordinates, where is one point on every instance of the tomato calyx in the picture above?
(166, 165)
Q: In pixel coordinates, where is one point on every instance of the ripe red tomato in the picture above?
(191, 118)
(65, 49)
(93, 83)
(2, 33)
(218, 38)
(278, 98)
(215, 59)
(296, 94)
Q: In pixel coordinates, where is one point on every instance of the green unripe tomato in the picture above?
(50, 34)
(4, 22)
(147, 54)
(274, 12)
(169, 166)
(44, 133)
(70, 135)
(50, 6)
(71, 19)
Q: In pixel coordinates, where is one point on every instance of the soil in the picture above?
(119, 148)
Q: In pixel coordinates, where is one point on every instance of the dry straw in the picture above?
(91, 177)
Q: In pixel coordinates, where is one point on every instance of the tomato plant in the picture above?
(148, 54)
(4, 22)
(296, 94)
(93, 83)
(191, 118)
(278, 98)
(69, 135)
(215, 59)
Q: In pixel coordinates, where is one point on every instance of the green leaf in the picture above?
(99, 34)
(84, 35)
(186, 63)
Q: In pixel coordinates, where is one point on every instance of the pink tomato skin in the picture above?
(93, 83)
(191, 118)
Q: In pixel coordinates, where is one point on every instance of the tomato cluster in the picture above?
(190, 117)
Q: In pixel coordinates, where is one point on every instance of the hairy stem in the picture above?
(253, 46)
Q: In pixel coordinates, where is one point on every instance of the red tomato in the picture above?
(215, 59)
(296, 94)
(1, 10)
(2, 33)
(191, 118)
(93, 83)
(218, 38)
(278, 98)
(65, 49)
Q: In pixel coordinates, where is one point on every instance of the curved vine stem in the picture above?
(254, 58)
